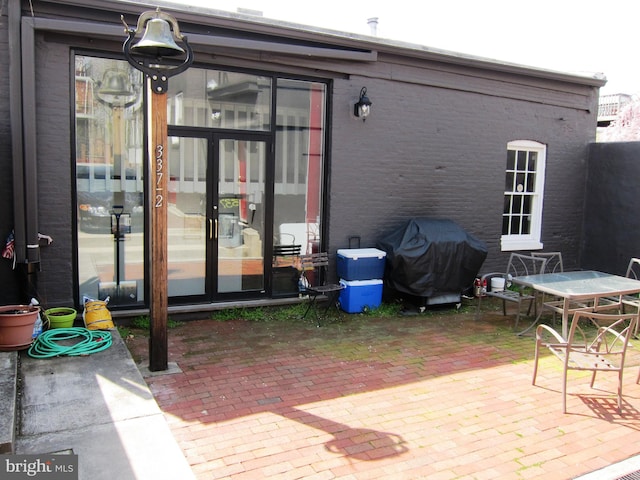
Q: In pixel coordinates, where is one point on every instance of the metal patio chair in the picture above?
(554, 265)
(596, 342)
(518, 265)
(554, 261)
(624, 301)
(556, 305)
(285, 251)
(318, 286)
(633, 301)
(286, 255)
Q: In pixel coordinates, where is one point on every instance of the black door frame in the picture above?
(214, 139)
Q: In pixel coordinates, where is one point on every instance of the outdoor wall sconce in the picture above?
(363, 107)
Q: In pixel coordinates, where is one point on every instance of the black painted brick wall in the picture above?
(436, 152)
(55, 213)
(612, 224)
(424, 151)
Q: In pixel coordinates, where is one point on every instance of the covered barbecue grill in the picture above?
(431, 258)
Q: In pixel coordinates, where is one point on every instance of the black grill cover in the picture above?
(430, 256)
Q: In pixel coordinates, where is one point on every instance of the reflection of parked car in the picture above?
(98, 171)
(95, 208)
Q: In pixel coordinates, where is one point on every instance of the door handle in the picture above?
(210, 229)
(216, 229)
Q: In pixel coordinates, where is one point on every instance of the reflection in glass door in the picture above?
(216, 217)
(186, 223)
(238, 216)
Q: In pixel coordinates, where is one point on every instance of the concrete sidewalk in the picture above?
(100, 408)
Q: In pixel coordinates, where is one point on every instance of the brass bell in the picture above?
(157, 40)
(115, 83)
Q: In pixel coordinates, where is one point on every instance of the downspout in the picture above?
(23, 137)
(29, 139)
(15, 115)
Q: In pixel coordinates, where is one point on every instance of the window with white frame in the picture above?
(523, 196)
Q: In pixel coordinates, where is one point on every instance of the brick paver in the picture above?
(434, 396)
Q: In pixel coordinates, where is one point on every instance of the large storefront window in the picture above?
(239, 183)
(220, 99)
(109, 179)
(300, 120)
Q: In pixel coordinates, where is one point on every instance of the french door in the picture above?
(217, 199)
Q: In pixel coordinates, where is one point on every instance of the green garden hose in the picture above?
(91, 341)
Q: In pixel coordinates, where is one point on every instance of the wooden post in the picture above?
(156, 78)
(158, 173)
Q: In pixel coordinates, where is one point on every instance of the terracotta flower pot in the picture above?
(16, 326)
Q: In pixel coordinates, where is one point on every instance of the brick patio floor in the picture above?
(434, 396)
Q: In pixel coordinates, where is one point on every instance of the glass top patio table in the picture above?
(579, 285)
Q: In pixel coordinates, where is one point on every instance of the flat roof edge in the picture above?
(266, 26)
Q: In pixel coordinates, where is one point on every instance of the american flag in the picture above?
(9, 247)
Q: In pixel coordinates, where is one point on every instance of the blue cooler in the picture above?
(360, 263)
(359, 294)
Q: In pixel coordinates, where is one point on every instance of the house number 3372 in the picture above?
(159, 173)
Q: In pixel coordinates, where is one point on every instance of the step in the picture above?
(8, 398)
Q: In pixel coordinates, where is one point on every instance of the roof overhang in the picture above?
(255, 33)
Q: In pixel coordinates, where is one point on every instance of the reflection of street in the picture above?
(97, 250)
(187, 239)
(96, 256)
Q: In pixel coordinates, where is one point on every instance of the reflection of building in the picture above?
(265, 117)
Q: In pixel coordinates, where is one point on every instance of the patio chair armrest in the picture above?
(540, 331)
(605, 330)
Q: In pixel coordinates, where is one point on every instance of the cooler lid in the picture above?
(355, 253)
(360, 283)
